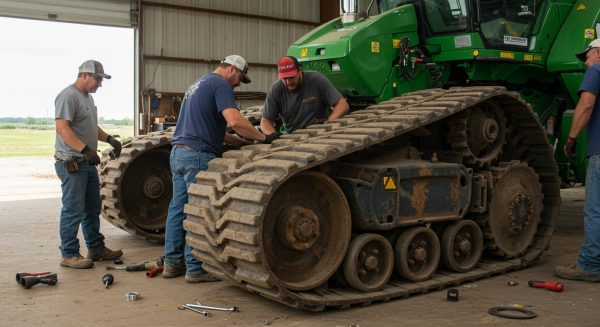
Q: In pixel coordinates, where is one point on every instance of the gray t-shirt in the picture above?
(77, 107)
(300, 107)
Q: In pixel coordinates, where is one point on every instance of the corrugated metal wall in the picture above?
(176, 38)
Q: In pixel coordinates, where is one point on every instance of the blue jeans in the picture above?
(80, 205)
(185, 164)
(589, 254)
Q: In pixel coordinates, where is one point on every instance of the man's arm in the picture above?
(233, 139)
(102, 135)
(63, 128)
(340, 109)
(583, 112)
(267, 126)
(241, 125)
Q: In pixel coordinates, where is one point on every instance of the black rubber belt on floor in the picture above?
(499, 311)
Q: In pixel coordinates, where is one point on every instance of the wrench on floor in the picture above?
(202, 306)
(187, 306)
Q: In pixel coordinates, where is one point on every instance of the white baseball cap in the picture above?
(594, 44)
(240, 63)
(93, 67)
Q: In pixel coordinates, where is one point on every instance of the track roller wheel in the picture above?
(369, 262)
(462, 245)
(417, 253)
(306, 230)
(515, 210)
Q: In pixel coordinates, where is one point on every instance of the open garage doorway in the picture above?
(40, 58)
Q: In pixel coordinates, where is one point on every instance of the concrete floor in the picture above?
(29, 209)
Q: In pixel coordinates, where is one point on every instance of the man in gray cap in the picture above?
(207, 108)
(77, 136)
(587, 112)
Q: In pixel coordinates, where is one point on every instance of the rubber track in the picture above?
(228, 202)
(112, 172)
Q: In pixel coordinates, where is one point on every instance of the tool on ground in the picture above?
(154, 271)
(520, 313)
(132, 296)
(191, 308)
(146, 265)
(107, 279)
(23, 274)
(199, 305)
(551, 286)
(29, 281)
(452, 295)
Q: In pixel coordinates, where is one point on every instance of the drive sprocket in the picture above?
(478, 134)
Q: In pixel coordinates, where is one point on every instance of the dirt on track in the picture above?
(29, 228)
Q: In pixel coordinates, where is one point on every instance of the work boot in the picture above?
(77, 262)
(201, 278)
(575, 273)
(173, 271)
(104, 254)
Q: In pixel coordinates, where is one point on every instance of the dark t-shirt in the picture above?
(591, 83)
(201, 124)
(300, 107)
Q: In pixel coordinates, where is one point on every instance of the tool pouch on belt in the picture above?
(72, 165)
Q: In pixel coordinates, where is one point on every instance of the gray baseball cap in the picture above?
(240, 63)
(93, 67)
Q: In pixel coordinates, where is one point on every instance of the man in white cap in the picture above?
(207, 108)
(587, 113)
(77, 136)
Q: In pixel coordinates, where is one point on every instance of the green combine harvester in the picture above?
(379, 50)
(446, 170)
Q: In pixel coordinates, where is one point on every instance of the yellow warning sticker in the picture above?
(589, 33)
(396, 43)
(581, 7)
(507, 55)
(374, 46)
(528, 57)
(304, 52)
(388, 183)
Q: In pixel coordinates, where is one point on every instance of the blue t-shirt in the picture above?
(591, 83)
(201, 124)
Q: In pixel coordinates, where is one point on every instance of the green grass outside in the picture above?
(22, 142)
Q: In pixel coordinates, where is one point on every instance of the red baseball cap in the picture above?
(287, 67)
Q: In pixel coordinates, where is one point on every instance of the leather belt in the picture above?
(77, 159)
(183, 146)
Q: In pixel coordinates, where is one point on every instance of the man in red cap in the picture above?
(300, 98)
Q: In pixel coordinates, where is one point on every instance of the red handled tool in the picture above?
(154, 271)
(551, 286)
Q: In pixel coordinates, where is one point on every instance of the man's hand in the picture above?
(116, 152)
(91, 156)
(271, 137)
(569, 148)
